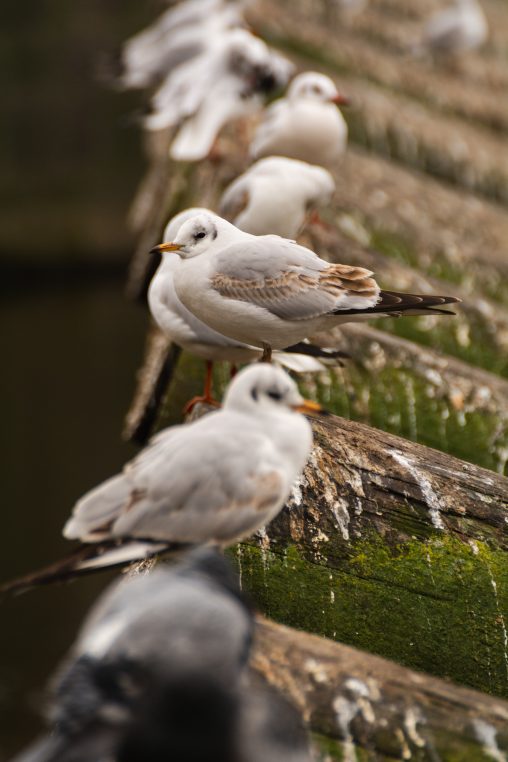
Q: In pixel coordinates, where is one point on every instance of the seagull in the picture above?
(177, 36)
(306, 124)
(274, 196)
(158, 661)
(194, 336)
(456, 29)
(229, 80)
(270, 292)
(213, 481)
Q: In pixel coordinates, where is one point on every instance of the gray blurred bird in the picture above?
(454, 30)
(155, 672)
(158, 673)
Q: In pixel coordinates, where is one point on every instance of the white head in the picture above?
(197, 234)
(264, 388)
(176, 222)
(315, 86)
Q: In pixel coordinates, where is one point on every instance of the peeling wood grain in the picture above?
(378, 705)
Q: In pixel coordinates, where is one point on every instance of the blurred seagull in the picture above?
(306, 124)
(177, 36)
(190, 333)
(227, 81)
(274, 196)
(156, 668)
(213, 481)
(270, 292)
(456, 29)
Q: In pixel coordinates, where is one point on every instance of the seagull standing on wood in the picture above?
(272, 293)
(194, 336)
(275, 196)
(229, 80)
(213, 481)
(306, 124)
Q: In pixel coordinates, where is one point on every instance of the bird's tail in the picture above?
(397, 303)
(89, 558)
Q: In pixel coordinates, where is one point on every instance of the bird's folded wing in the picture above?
(207, 493)
(289, 280)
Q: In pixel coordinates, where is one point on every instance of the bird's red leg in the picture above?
(314, 218)
(206, 397)
(233, 370)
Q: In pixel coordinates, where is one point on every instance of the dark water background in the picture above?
(69, 341)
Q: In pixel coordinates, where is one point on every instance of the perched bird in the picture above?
(306, 124)
(178, 35)
(227, 81)
(156, 669)
(270, 292)
(275, 195)
(456, 29)
(190, 333)
(213, 481)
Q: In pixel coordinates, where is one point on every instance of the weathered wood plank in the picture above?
(378, 708)
(395, 548)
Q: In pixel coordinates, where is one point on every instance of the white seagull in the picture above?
(229, 80)
(194, 336)
(177, 36)
(275, 195)
(457, 29)
(306, 124)
(270, 292)
(211, 482)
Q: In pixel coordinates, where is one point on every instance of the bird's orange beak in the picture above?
(162, 247)
(340, 100)
(308, 407)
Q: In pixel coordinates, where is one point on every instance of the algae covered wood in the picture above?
(388, 382)
(376, 709)
(395, 548)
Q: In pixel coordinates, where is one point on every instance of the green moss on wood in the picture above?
(395, 399)
(439, 606)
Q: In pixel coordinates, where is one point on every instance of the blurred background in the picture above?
(70, 162)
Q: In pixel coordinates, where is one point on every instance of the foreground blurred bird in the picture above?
(156, 668)
(158, 673)
(457, 29)
(213, 481)
(272, 293)
(190, 333)
(275, 196)
(306, 124)
(229, 80)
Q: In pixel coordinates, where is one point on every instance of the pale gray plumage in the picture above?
(215, 480)
(267, 290)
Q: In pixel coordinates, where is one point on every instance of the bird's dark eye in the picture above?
(254, 394)
(200, 235)
(274, 395)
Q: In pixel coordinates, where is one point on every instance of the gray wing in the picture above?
(289, 280)
(206, 488)
(94, 513)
